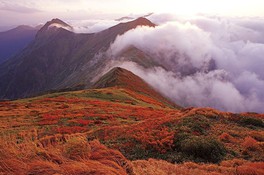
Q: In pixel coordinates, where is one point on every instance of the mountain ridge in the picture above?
(59, 59)
(120, 77)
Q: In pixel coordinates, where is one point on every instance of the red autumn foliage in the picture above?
(75, 156)
(250, 144)
(120, 123)
(70, 130)
(49, 122)
(256, 168)
(84, 122)
(225, 137)
(49, 117)
(161, 140)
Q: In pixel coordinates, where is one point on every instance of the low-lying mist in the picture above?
(205, 61)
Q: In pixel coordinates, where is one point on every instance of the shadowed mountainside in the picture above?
(58, 59)
(15, 40)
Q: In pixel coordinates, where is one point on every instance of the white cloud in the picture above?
(235, 81)
(92, 25)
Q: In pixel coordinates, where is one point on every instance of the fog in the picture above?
(206, 61)
(91, 25)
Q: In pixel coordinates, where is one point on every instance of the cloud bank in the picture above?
(205, 61)
(91, 25)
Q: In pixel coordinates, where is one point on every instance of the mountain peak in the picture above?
(121, 28)
(119, 77)
(56, 24)
(115, 77)
(142, 22)
(52, 28)
(24, 27)
(57, 20)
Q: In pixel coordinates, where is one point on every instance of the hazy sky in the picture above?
(13, 12)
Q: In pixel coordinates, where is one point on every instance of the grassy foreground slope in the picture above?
(116, 130)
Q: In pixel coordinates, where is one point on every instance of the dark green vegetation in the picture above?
(251, 122)
(200, 148)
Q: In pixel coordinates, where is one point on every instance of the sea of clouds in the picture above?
(206, 61)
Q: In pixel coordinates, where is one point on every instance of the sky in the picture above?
(33, 12)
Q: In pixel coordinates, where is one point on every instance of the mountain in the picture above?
(54, 25)
(138, 56)
(15, 40)
(119, 77)
(58, 59)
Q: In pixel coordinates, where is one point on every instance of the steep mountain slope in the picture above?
(59, 58)
(118, 77)
(14, 40)
(138, 56)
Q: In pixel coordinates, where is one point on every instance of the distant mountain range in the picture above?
(58, 58)
(15, 40)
